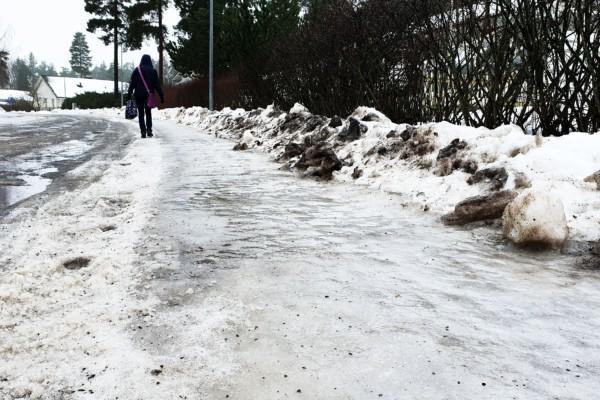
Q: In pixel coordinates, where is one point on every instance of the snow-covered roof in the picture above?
(6, 95)
(71, 87)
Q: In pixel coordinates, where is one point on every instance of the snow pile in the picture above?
(536, 216)
(434, 165)
(248, 139)
(68, 275)
(7, 96)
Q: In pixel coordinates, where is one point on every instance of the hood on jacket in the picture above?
(146, 60)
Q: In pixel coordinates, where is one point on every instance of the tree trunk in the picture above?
(116, 48)
(161, 43)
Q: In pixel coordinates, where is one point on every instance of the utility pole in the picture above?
(211, 88)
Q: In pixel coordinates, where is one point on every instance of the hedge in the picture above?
(91, 100)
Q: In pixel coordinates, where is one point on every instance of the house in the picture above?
(10, 97)
(49, 92)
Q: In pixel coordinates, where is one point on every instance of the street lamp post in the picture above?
(120, 77)
(211, 89)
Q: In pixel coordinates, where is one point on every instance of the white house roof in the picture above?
(71, 87)
(7, 95)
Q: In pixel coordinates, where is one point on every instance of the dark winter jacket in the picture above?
(136, 85)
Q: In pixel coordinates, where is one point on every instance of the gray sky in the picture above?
(46, 28)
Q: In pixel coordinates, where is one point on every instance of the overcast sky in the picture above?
(46, 28)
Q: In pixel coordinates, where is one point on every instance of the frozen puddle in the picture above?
(275, 287)
(34, 184)
(35, 168)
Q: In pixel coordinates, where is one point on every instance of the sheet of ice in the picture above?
(555, 163)
(19, 117)
(33, 165)
(35, 184)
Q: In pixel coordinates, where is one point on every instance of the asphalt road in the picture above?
(38, 151)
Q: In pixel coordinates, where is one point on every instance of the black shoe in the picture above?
(143, 136)
(150, 134)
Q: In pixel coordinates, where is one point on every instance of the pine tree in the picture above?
(250, 25)
(102, 71)
(4, 77)
(32, 70)
(21, 75)
(46, 69)
(242, 29)
(111, 19)
(81, 61)
(189, 50)
(146, 21)
(127, 69)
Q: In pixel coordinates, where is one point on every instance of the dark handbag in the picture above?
(130, 109)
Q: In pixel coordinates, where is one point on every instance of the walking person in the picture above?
(145, 85)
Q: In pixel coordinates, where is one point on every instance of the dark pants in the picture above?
(145, 124)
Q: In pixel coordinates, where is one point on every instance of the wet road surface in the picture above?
(38, 150)
(274, 287)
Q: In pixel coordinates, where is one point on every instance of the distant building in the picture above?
(10, 97)
(49, 92)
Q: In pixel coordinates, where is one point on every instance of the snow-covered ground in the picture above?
(556, 165)
(56, 319)
(214, 274)
(21, 117)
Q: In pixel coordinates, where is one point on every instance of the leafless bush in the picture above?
(529, 62)
(351, 53)
(489, 62)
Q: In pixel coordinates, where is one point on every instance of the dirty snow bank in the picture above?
(434, 165)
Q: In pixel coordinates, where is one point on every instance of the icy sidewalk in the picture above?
(433, 166)
(271, 287)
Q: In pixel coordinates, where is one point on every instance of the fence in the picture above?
(195, 92)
